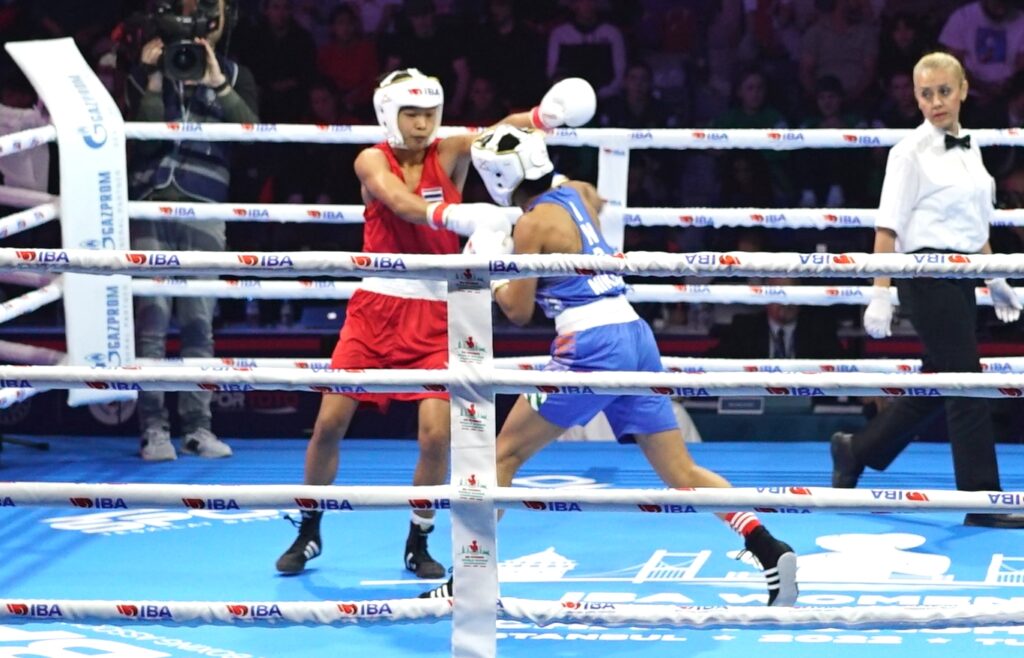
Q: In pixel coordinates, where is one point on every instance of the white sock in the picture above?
(424, 523)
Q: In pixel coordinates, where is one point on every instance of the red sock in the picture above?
(743, 523)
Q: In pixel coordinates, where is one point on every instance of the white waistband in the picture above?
(406, 288)
(604, 311)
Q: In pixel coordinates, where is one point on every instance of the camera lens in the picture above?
(184, 59)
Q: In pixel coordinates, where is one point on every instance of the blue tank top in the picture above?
(555, 294)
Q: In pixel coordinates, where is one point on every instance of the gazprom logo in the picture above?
(94, 133)
(95, 137)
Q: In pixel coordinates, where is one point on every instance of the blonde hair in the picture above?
(940, 60)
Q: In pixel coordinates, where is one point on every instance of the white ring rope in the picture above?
(725, 294)
(223, 497)
(789, 218)
(11, 352)
(12, 396)
(23, 220)
(227, 374)
(322, 289)
(775, 218)
(49, 290)
(21, 197)
(250, 212)
(244, 288)
(428, 266)
(770, 294)
(542, 613)
(26, 139)
(28, 279)
(717, 617)
(693, 365)
(196, 613)
(770, 500)
(658, 138)
(31, 301)
(672, 384)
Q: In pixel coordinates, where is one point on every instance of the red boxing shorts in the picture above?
(382, 331)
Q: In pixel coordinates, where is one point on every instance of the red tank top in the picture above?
(386, 232)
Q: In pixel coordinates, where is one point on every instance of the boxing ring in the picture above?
(659, 598)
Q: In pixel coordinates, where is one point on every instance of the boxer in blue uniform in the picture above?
(598, 330)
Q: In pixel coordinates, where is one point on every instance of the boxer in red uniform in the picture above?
(411, 188)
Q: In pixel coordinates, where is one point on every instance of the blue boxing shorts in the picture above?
(613, 347)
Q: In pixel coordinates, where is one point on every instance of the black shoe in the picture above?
(995, 520)
(846, 469)
(305, 547)
(447, 590)
(778, 562)
(417, 559)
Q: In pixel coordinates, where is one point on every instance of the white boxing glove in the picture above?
(1004, 299)
(464, 218)
(569, 102)
(486, 242)
(878, 314)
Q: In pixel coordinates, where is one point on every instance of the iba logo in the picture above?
(144, 611)
(34, 609)
(210, 503)
(98, 503)
(254, 611)
(323, 504)
(423, 503)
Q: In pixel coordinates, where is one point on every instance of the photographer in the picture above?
(181, 78)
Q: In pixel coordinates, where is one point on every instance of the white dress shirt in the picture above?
(787, 340)
(935, 198)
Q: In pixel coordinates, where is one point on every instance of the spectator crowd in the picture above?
(654, 64)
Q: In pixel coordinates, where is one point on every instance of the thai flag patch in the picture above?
(432, 194)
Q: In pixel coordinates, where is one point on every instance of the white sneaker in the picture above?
(204, 443)
(156, 445)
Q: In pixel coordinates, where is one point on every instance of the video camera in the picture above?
(183, 58)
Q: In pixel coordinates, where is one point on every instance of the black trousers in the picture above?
(943, 312)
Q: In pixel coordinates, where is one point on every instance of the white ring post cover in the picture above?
(612, 186)
(93, 204)
(474, 545)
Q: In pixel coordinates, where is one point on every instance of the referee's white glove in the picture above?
(1004, 299)
(878, 314)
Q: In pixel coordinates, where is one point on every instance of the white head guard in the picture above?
(405, 88)
(506, 156)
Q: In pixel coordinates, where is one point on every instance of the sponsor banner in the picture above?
(219, 612)
(93, 204)
(474, 545)
(612, 183)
